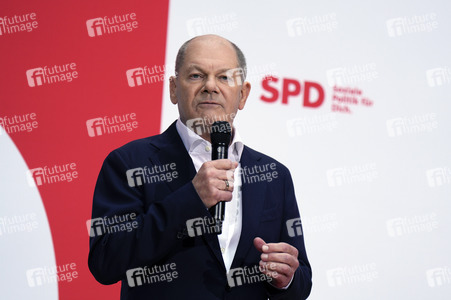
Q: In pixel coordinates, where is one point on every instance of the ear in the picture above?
(172, 89)
(245, 90)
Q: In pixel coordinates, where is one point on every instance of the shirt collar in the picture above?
(191, 139)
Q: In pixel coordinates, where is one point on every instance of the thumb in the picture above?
(259, 243)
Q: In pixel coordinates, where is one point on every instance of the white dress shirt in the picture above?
(200, 151)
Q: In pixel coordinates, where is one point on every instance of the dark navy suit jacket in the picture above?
(159, 236)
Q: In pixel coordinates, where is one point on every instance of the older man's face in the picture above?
(203, 88)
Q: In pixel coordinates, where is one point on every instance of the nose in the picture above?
(210, 86)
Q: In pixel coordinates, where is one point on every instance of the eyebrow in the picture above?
(196, 67)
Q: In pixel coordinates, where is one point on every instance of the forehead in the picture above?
(210, 53)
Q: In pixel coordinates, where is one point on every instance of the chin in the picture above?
(213, 117)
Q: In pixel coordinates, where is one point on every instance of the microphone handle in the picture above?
(219, 151)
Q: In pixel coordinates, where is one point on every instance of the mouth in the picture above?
(209, 103)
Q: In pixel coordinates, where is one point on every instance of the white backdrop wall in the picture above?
(372, 178)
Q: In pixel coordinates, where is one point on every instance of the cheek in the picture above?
(185, 99)
(234, 100)
(187, 93)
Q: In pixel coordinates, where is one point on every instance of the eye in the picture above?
(224, 77)
(195, 76)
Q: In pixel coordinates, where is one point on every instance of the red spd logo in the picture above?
(286, 88)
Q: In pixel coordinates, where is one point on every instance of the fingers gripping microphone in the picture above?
(220, 136)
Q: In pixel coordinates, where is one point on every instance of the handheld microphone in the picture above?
(220, 136)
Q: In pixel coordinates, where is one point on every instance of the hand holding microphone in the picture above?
(212, 182)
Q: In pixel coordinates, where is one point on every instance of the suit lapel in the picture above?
(253, 195)
(170, 149)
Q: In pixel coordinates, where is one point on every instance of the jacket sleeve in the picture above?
(301, 284)
(155, 230)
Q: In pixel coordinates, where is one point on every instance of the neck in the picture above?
(206, 135)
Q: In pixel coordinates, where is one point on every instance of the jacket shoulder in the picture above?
(264, 159)
(149, 145)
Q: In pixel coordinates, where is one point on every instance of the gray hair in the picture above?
(239, 55)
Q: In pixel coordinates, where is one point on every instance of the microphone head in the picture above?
(221, 133)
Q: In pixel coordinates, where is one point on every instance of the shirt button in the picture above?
(222, 250)
(207, 148)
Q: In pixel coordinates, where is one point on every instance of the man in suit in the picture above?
(151, 225)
